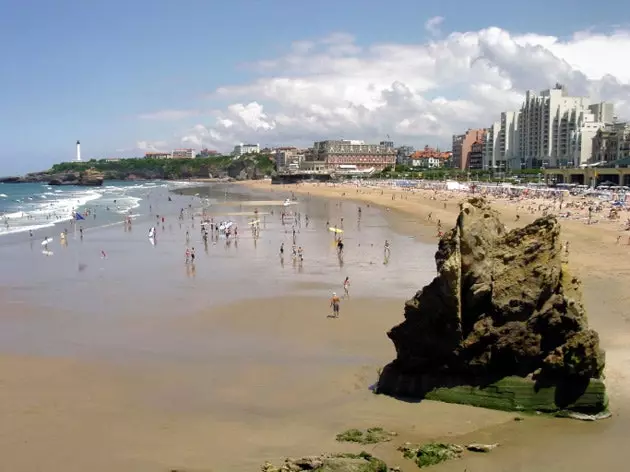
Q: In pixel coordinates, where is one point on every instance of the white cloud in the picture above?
(417, 93)
(432, 25)
(155, 146)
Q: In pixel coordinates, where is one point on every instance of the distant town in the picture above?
(551, 130)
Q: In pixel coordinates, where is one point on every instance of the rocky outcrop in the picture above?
(344, 462)
(503, 310)
(87, 178)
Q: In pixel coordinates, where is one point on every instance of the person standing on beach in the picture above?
(334, 304)
(282, 250)
(192, 255)
(346, 287)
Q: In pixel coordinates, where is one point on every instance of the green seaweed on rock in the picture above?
(430, 453)
(340, 462)
(369, 436)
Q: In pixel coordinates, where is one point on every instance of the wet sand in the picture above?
(601, 264)
(163, 370)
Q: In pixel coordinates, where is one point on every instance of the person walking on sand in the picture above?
(346, 287)
(386, 248)
(334, 304)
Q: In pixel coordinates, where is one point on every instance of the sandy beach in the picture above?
(135, 364)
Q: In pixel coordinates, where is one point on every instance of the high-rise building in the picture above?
(462, 144)
(475, 156)
(611, 143)
(604, 112)
(456, 149)
(555, 129)
(491, 158)
(508, 140)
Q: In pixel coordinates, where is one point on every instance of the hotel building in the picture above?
(351, 152)
(183, 154)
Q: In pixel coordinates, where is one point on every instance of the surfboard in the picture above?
(255, 222)
(47, 241)
(335, 230)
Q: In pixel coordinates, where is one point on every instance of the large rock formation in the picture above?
(502, 321)
(88, 178)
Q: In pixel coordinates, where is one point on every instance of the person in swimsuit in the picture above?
(346, 287)
(334, 303)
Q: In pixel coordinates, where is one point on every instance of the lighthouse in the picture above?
(78, 150)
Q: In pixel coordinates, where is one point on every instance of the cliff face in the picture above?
(89, 177)
(502, 305)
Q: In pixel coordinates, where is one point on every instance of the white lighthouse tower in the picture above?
(78, 151)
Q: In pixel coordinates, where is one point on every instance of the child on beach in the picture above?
(346, 287)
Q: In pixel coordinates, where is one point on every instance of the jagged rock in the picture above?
(369, 436)
(503, 305)
(344, 462)
(431, 453)
(89, 178)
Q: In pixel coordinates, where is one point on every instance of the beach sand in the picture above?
(197, 383)
(594, 256)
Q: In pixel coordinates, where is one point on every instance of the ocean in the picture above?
(31, 207)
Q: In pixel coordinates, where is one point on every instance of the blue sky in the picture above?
(86, 69)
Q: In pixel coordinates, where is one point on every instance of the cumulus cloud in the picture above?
(432, 25)
(416, 93)
(152, 146)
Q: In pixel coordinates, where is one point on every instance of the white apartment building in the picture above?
(552, 129)
(242, 148)
(508, 140)
(555, 129)
(491, 158)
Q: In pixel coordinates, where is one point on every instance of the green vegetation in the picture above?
(369, 436)
(431, 453)
(247, 166)
(370, 463)
(520, 394)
